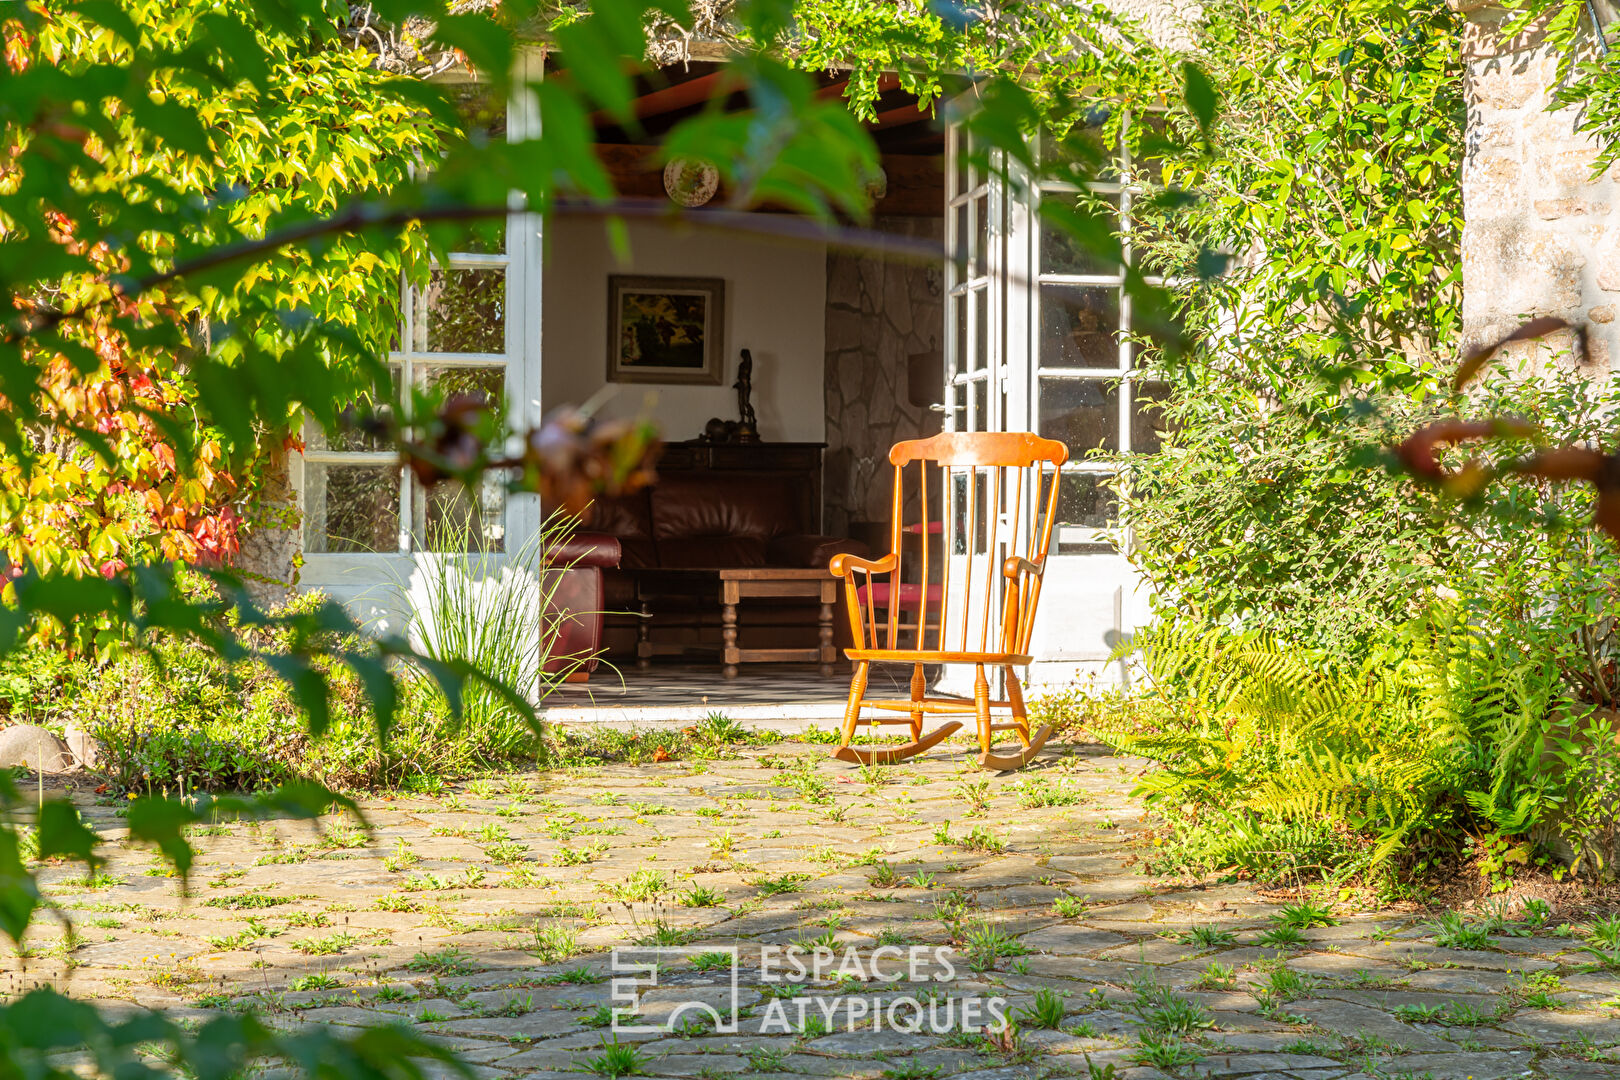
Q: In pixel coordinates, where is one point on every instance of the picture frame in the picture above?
(665, 329)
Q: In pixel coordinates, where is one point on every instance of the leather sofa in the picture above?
(710, 520)
(575, 610)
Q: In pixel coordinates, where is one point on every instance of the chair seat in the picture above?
(910, 594)
(914, 656)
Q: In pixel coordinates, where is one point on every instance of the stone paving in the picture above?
(484, 916)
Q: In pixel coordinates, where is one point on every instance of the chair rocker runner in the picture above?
(990, 476)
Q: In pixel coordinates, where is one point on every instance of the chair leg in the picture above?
(857, 691)
(981, 706)
(872, 755)
(917, 689)
(1015, 699)
(1032, 744)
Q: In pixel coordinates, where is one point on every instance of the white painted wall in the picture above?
(776, 300)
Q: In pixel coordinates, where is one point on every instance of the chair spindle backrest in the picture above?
(974, 479)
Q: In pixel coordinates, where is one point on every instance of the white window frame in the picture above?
(1099, 541)
(348, 575)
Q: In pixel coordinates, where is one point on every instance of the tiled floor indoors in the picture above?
(686, 690)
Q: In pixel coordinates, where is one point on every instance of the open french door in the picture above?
(1037, 340)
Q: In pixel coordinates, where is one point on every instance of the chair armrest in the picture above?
(802, 550)
(585, 549)
(842, 565)
(1017, 564)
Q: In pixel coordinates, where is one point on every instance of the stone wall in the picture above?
(1541, 236)
(272, 543)
(880, 314)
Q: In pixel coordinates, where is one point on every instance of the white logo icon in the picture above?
(713, 997)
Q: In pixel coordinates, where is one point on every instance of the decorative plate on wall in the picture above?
(690, 183)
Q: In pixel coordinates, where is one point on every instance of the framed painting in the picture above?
(666, 330)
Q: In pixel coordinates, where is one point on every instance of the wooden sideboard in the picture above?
(791, 459)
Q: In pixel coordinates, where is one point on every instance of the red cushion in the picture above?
(910, 594)
(585, 549)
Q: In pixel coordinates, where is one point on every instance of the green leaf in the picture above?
(162, 822)
(112, 16)
(19, 893)
(63, 832)
(1200, 95)
(238, 48)
(171, 123)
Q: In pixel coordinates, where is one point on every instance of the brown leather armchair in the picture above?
(576, 608)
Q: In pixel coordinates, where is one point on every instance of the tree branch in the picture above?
(366, 215)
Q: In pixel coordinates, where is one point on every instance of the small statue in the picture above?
(747, 423)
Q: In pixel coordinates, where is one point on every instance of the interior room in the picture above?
(815, 357)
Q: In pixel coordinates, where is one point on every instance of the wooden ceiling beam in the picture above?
(668, 99)
(698, 90)
(916, 181)
(905, 114)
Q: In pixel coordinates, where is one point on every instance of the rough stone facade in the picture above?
(1541, 235)
(272, 543)
(880, 315)
(1170, 24)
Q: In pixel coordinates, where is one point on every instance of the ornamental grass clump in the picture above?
(469, 602)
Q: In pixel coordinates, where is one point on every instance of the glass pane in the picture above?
(961, 162)
(977, 500)
(1063, 253)
(485, 238)
(482, 111)
(981, 329)
(981, 234)
(1148, 424)
(1084, 148)
(1163, 240)
(351, 507)
(980, 421)
(462, 311)
(351, 433)
(1085, 504)
(487, 385)
(1082, 412)
(1151, 333)
(961, 242)
(1079, 326)
(452, 518)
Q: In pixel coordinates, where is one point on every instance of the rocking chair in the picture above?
(991, 474)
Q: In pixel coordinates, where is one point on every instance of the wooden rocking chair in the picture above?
(992, 474)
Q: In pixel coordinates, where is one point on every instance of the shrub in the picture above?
(184, 718)
(1280, 761)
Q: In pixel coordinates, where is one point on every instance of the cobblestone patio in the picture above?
(484, 915)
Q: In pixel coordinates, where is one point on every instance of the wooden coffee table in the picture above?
(771, 581)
